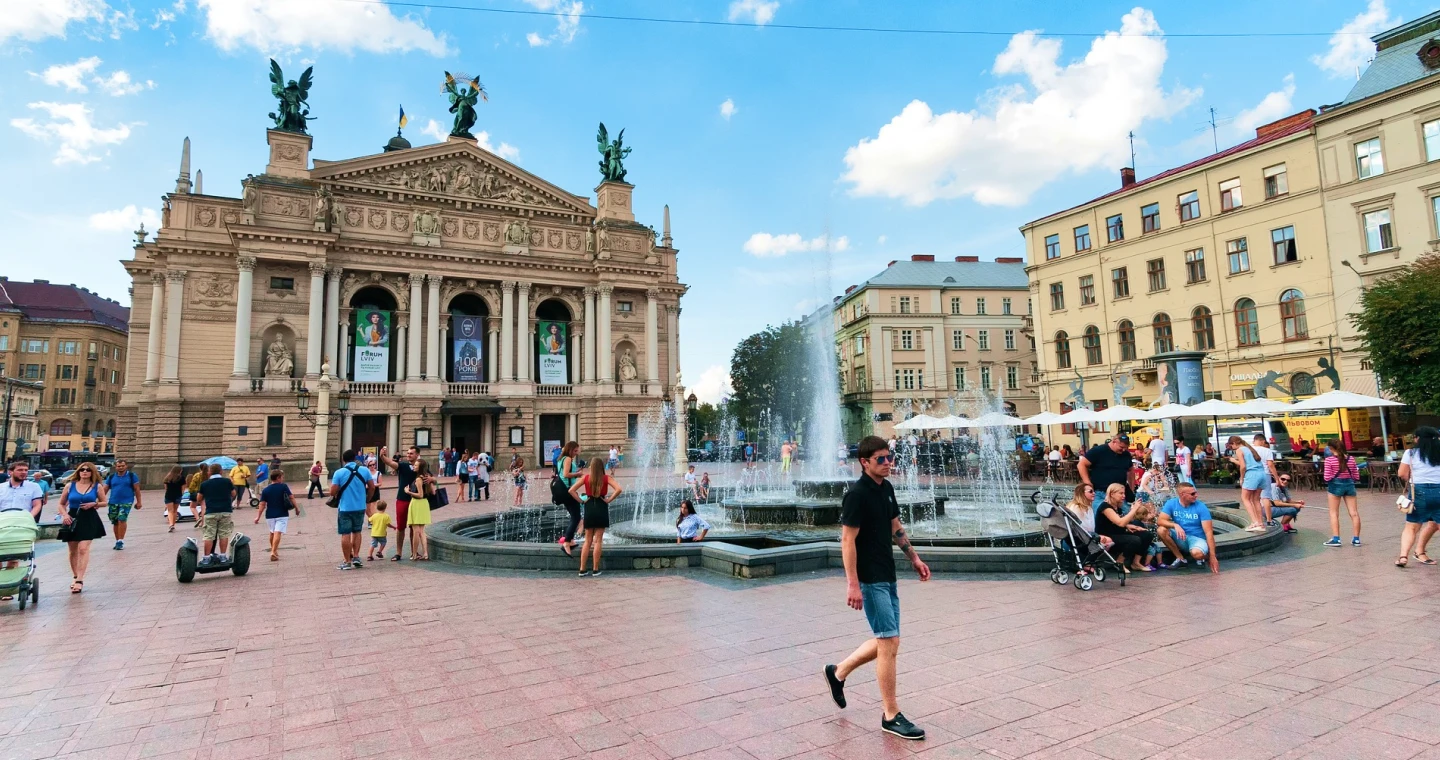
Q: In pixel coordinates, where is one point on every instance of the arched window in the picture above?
(61, 428)
(110, 429)
(1302, 384)
(1292, 315)
(1092, 345)
(1127, 340)
(1062, 350)
(85, 427)
(1204, 328)
(1247, 323)
(1164, 339)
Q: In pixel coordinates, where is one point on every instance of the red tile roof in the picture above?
(47, 302)
(1267, 133)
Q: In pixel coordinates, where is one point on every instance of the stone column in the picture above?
(401, 327)
(607, 365)
(491, 350)
(417, 310)
(314, 340)
(524, 338)
(590, 335)
(153, 350)
(244, 293)
(347, 432)
(332, 316)
(507, 330)
(392, 435)
(652, 336)
(672, 341)
(174, 309)
(432, 328)
(575, 339)
(346, 335)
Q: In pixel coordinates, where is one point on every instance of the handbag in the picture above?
(442, 498)
(334, 501)
(1406, 504)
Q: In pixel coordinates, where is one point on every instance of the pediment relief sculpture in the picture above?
(462, 178)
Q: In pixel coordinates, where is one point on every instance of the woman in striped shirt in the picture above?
(1341, 474)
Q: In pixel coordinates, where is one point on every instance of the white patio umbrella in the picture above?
(1043, 418)
(1122, 414)
(1338, 399)
(1265, 406)
(1077, 416)
(1169, 411)
(996, 419)
(952, 422)
(918, 422)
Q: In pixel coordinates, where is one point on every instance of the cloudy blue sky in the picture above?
(779, 149)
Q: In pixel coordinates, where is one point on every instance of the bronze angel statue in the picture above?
(612, 168)
(294, 112)
(462, 104)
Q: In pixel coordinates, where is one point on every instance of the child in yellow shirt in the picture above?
(379, 523)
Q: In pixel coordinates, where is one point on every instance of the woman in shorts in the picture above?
(174, 487)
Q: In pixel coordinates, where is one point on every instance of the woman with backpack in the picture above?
(567, 469)
(1341, 475)
(598, 489)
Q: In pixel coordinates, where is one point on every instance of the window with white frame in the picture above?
(859, 344)
(983, 337)
(955, 305)
(959, 378)
(1087, 290)
(1378, 235)
(907, 340)
(1368, 160)
(985, 378)
(1004, 306)
(1057, 296)
(1009, 340)
(1012, 378)
(979, 306)
(68, 347)
(1238, 255)
(1435, 212)
(1276, 181)
(32, 346)
(904, 304)
(4, 342)
(957, 340)
(1230, 195)
(1432, 139)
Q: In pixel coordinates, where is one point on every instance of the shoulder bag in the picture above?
(334, 501)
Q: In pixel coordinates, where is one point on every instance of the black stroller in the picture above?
(1077, 552)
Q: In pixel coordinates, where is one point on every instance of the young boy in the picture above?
(379, 523)
(278, 501)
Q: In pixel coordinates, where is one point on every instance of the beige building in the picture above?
(1225, 255)
(73, 342)
(19, 416)
(1380, 172)
(923, 331)
(454, 298)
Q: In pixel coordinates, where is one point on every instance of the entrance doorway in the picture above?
(552, 435)
(467, 431)
(367, 432)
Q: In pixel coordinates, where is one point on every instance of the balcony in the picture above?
(554, 390)
(275, 385)
(368, 389)
(467, 390)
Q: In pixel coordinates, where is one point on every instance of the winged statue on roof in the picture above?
(294, 111)
(612, 155)
(462, 103)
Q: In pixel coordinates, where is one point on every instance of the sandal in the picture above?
(1402, 562)
(395, 558)
(77, 587)
(1424, 559)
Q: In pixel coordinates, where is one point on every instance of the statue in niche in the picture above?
(589, 241)
(250, 199)
(279, 362)
(628, 372)
(323, 204)
(517, 232)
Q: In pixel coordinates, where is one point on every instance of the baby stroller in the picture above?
(17, 542)
(1077, 553)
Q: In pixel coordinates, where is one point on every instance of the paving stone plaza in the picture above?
(1302, 652)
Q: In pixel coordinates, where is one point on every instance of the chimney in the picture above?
(967, 259)
(922, 257)
(891, 264)
(1009, 260)
(1127, 177)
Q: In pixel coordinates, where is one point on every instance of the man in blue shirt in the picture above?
(123, 493)
(1188, 520)
(351, 483)
(262, 474)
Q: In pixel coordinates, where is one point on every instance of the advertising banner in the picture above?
(552, 352)
(469, 350)
(372, 346)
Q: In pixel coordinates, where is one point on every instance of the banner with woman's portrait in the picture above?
(552, 350)
(372, 346)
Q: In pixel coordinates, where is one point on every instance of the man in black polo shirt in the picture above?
(870, 520)
(1107, 463)
(405, 474)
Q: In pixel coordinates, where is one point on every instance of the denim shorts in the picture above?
(1190, 543)
(1279, 512)
(1427, 504)
(882, 609)
(351, 521)
(1340, 487)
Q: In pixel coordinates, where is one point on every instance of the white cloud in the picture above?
(71, 76)
(506, 151)
(38, 19)
(71, 127)
(1070, 119)
(285, 26)
(713, 385)
(125, 219)
(728, 109)
(765, 245)
(880, 240)
(567, 21)
(759, 12)
(164, 16)
(1273, 106)
(119, 83)
(1350, 46)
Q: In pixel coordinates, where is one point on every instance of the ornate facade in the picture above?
(418, 282)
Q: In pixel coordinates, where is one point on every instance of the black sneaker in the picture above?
(837, 687)
(902, 727)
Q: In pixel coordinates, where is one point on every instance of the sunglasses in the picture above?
(882, 459)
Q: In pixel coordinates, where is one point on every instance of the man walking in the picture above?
(123, 495)
(1183, 460)
(353, 498)
(870, 520)
(240, 479)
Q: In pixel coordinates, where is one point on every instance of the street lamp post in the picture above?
(682, 438)
(320, 418)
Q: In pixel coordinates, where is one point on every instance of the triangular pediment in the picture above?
(452, 171)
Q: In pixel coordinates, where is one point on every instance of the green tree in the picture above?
(704, 423)
(769, 372)
(1400, 332)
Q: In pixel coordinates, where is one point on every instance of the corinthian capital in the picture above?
(317, 267)
(434, 280)
(416, 280)
(157, 277)
(607, 289)
(523, 286)
(335, 272)
(652, 293)
(176, 275)
(591, 292)
(507, 285)
(245, 263)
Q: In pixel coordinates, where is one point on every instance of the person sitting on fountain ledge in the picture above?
(870, 520)
(1189, 523)
(691, 527)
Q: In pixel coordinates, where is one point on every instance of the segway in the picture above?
(187, 560)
